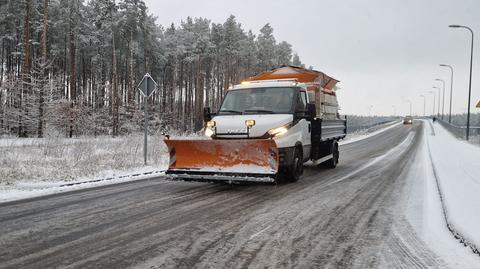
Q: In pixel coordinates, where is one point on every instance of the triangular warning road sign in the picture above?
(478, 104)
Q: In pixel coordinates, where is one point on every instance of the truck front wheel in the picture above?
(296, 169)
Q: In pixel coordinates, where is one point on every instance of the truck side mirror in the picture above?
(311, 110)
(207, 115)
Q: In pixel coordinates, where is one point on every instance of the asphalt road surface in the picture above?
(349, 217)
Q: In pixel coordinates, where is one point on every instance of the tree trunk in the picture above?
(199, 96)
(73, 78)
(115, 99)
(130, 90)
(41, 101)
(26, 66)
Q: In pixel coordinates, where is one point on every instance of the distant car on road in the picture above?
(408, 120)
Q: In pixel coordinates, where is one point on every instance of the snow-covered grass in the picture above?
(56, 159)
(456, 165)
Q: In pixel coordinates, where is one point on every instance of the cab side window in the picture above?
(302, 101)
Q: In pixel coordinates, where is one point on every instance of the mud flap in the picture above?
(223, 160)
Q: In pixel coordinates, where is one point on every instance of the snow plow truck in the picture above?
(266, 128)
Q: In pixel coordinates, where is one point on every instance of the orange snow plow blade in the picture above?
(223, 160)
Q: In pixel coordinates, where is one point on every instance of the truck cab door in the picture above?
(304, 124)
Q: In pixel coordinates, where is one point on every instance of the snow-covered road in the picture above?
(378, 209)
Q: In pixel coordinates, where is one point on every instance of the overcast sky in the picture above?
(384, 52)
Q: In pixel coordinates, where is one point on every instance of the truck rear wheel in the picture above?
(296, 169)
(332, 163)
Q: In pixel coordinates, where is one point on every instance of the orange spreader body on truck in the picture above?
(317, 79)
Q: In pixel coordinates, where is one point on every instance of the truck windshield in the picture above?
(276, 100)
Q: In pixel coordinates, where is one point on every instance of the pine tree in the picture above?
(266, 48)
(283, 54)
(73, 65)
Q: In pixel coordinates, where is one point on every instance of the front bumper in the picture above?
(203, 176)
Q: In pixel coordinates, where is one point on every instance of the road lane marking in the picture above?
(261, 231)
(399, 147)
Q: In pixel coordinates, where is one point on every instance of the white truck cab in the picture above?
(279, 110)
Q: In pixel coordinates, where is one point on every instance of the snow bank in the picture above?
(26, 190)
(425, 215)
(457, 168)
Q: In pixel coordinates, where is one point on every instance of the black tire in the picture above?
(332, 163)
(296, 169)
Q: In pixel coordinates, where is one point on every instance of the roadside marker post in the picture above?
(146, 87)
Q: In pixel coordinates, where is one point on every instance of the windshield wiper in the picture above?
(260, 111)
(230, 111)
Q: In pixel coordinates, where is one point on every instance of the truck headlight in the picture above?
(209, 128)
(279, 131)
(209, 132)
(211, 123)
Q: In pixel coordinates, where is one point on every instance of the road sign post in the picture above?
(146, 87)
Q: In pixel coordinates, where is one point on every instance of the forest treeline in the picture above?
(72, 66)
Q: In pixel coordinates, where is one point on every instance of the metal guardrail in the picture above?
(460, 131)
(355, 128)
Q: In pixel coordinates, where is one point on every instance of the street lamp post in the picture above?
(424, 103)
(443, 99)
(439, 96)
(451, 90)
(470, 81)
(433, 113)
(410, 107)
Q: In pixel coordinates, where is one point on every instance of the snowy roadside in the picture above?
(35, 167)
(456, 167)
(423, 211)
(357, 136)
